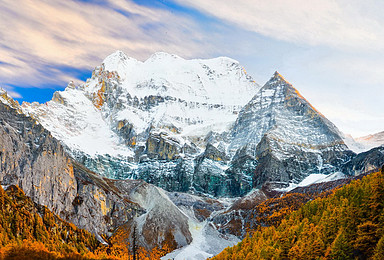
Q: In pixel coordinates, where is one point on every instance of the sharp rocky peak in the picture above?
(280, 84)
(278, 76)
(278, 109)
(279, 90)
(8, 100)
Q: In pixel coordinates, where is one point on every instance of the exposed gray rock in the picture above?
(366, 162)
(36, 162)
(288, 138)
(32, 159)
(186, 126)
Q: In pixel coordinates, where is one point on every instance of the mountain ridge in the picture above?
(125, 163)
(160, 121)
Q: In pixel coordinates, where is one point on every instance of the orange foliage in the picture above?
(346, 224)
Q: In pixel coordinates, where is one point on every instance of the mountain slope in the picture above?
(347, 224)
(371, 141)
(186, 126)
(33, 160)
(105, 207)
(287, 137)
(151, 120)
(25, 222)
(36, 162)
(279, 110)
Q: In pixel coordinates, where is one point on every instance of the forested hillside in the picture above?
(347, 224)
(31, 231)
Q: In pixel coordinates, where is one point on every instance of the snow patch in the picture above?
(314, 178)
(5, 187)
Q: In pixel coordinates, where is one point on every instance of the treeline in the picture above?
(31, 231)
(347, 224)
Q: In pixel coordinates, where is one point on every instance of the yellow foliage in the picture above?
(346, 224)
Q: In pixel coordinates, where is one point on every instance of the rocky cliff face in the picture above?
(365, 162)
(186, 126)
(35, 161)
(286, 136)
(152, 120)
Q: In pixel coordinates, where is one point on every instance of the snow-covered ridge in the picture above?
(164, 94)
(281, 112)
(371, 141)
(8, 100)
(217, 81)
(188, 125)
(364, 143)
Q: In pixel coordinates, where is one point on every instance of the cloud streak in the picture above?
(350, 24)
(39, 35)
(331, 50)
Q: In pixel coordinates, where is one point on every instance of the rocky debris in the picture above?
(235, 219)
(161, 223)
(198, 208)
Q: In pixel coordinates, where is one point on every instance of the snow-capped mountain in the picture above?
(371, 141)
(194, 126)
(288, 137)
(36, 162)
(125, 99)
(185, 125)
(280, 111)
(131, 112)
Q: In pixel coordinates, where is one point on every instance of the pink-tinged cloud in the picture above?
(39, 33)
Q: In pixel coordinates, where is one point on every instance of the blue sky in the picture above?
(332, 51)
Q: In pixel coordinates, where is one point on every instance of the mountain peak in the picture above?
(117, 55)
(283, 90)
(277, 78)
(279, 109)
(119, 61)
(277, 75)
(8, 100)
(163, 55)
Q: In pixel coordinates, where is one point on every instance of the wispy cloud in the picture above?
(329, 49)
(36, 36)
(351, 24)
